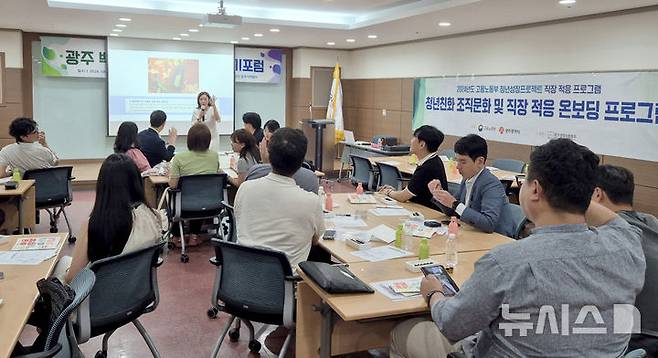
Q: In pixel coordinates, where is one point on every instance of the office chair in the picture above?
(253, 284)
(197, 197)
(363, 172)
(448, 153)
(126, 288)
(511, 165)
(390, 175)
(453, 188)
(53, 194)
(59, 341)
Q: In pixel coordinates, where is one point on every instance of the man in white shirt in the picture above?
(481, 195)
(30, 150)
(273, 211)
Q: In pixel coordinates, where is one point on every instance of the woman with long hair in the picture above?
(245, 145)
(120, 221)
(127, 142)
(207, 113)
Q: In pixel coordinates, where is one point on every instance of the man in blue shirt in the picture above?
(565, 271)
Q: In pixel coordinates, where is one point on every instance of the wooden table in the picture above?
(357, 322)
(403, 163)
(470, 239)
(21, 213)
(19, 291)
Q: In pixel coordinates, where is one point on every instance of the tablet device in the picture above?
(450, 287)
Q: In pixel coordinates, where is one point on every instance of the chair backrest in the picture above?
(228, 228)
(511, 165)
(448, 153)
(52, 185)
(82, 285)
(252, 281)
(126, 285)
(203, 193)
(362, 171)
(453, 188)
(515, 216)
(390, 175)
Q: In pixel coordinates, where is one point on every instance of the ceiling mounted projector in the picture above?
(221, 19)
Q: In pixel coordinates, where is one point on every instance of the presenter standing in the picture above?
(208, 114)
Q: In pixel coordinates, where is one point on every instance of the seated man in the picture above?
(511, 304)
(30, 150)
(614, 190)
(424, 144)
(273, 211)
(152, 145)
(481, 195)
(305, 178)
(252, 122)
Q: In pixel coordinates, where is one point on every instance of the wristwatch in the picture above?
(455, 204)
(429, 295)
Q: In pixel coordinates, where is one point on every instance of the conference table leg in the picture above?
(19, 205)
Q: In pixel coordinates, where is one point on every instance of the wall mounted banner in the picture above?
(613, 113)
(73, 57)
(258, 65)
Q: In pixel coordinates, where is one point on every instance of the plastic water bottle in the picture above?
(399, 231)
(359, 189)
(16, 175)
(328, 202)
(323, 197)
(424, 249)
(451, 251)
(453, 227)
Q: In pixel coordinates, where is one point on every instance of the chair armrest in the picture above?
(226, 204)
(213, 260)
(71, 178)
(293, 278)
(49, 353)
(456, 355)
(159, 262)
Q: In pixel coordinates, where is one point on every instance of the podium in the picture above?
(321, 147)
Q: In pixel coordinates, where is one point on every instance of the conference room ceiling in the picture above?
(300, 23)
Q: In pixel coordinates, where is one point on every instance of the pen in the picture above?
(343, 214)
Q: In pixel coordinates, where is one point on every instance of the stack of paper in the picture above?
(36, 243)
(381, 253)
(343, 222)
(361, 199)
(389, 211)
(382, 233)
(29, 257)
(397, 290)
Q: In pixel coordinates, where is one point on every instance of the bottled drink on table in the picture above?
(424, 249)
(328, 202)
(451, 251)
(453, 227)
(323, 197)
(359, 188)
(398, 236)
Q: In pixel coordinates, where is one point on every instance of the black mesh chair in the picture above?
(53, 193)
(126, 288)
(390, 175)
(253, 284)
(511, 165)
(363, 172)
(197, 197)
(453, 188)
(228, 232)
(448, 153)
(60, 342)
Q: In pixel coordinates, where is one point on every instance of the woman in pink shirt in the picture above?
(127, 142)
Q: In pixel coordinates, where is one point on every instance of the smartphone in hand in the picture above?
(450, 287)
